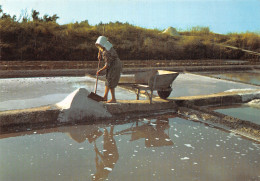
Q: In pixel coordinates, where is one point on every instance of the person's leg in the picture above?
(113, 100)
(106, 93)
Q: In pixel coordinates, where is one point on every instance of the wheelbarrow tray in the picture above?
(158, 80)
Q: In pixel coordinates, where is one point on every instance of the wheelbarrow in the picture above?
(154, 80)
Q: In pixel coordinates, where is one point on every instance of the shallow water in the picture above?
(192, 85)
(165, 147)
(246, 77)
(20, 93)
(243, 112)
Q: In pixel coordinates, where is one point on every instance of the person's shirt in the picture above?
(110, 57)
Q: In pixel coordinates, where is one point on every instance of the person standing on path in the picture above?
(113, 66)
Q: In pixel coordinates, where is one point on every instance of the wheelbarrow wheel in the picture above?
(164, 94)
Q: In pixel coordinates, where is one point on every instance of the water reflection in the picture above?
(105, 162)
(82, 132)
(153, 133)
(157, 148)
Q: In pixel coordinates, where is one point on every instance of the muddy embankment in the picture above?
(12, 69)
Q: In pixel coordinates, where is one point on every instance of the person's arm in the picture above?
(103, 68)
(106, 60)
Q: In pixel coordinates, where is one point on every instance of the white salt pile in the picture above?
(77, 106)
(254, 103)
(247, 96)
(236, 90)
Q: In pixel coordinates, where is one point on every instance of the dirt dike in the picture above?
(15, 69)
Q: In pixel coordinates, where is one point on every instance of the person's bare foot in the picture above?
(111, 101)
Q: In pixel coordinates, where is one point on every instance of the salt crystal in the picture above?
(107, 168)
(188, 145)
(185, 158)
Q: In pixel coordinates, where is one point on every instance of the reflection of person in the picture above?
(80, 133)
(112, 66)
(109, 157)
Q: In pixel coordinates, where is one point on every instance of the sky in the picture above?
(221, 16)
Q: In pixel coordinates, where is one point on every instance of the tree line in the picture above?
(42, 38)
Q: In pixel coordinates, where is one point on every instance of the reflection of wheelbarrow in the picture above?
(155, 80)
(153, 132)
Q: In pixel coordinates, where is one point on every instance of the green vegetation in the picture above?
(42, 38)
